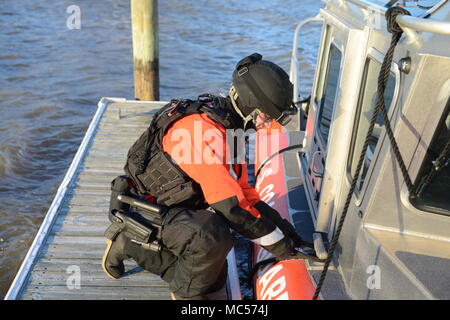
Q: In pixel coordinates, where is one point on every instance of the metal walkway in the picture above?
(64, 261)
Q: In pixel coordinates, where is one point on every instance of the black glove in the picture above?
(285, 226)
(299, 255)
(285, 250)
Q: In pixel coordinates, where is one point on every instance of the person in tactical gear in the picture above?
(201, 199)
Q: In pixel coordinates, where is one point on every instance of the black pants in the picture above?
(193, 258)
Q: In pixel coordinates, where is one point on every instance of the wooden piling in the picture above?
(144, 20)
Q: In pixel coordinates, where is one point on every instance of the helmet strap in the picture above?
(233, 97)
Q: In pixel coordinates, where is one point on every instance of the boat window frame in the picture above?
(322, 62)
(332, 42)
(377, 56)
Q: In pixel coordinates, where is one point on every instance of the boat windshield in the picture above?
(433, 182)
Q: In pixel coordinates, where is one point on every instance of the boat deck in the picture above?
(64, 261)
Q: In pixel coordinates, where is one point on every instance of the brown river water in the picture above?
(52, 77)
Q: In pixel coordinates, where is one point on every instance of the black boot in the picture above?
(114, 255)
(220, 294)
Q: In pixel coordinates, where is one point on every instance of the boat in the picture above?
(391, 240)
(395, 240)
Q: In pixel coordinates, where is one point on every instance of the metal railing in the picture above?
(426, 25)
(295, 63)
(409, 22)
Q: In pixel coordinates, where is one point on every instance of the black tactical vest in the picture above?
(154, 171)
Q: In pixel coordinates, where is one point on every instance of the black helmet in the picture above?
(260, 85)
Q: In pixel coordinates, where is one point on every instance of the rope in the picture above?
(255, 268)
(295, 146)
(437, 165)
(441, 160)
(394, 28)
(396, 31)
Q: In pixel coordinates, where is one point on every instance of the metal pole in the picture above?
(144, 21)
